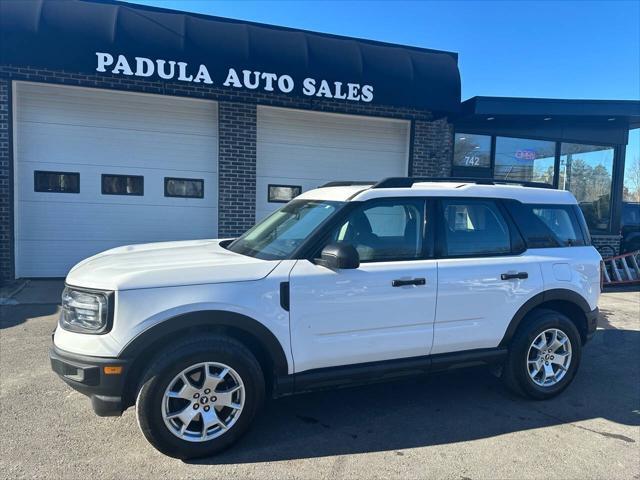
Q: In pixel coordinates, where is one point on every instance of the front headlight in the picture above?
(84, 311)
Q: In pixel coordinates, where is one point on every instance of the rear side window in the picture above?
(547, 226)
(474, 228)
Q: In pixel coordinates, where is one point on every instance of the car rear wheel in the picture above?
(544, 355)
(200, 396)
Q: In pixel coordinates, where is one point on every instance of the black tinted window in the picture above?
(474, 227)
(547, 226)
(385, 230)
(630, 214)
(562, 223)
(56, 182)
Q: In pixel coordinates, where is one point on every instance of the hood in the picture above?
(167, 264)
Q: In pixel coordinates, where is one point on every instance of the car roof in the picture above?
(525, 194)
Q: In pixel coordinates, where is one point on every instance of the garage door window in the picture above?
(57, 182)
(184, 187)
(122, 184)
(283, 193)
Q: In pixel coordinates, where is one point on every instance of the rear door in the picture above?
(482, 278)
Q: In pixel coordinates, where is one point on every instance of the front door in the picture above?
(382, 310)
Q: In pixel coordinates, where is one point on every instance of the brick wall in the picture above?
(6, 194)
(430, 152)
(432, 148)
(236, 168)
(607, 245)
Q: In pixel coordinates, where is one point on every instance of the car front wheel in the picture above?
(200, 396)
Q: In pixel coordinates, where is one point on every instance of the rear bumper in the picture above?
(86, 375)
(592, 322)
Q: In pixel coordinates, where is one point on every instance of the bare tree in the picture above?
(632, 181)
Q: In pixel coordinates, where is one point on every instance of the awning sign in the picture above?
(246, 79)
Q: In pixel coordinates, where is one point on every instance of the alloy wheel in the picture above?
(203, 401)
(549, 357)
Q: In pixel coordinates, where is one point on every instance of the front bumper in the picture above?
(86, 375)
(592, 322)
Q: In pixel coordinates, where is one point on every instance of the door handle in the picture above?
(514, 276)
(413, 281)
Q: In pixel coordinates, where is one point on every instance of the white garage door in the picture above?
(88, 133)
(308, 149)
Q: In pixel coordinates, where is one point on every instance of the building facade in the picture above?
(124, 124)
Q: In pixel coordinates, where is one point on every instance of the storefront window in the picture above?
(524, 159)
(632, 168)
(586, 171)
(472, 150)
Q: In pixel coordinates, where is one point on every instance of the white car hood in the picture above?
(167, 264)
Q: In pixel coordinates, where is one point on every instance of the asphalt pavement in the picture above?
(457, 426)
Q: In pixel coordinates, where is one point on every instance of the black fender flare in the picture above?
(537, 300)
(211, 318)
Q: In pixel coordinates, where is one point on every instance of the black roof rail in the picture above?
(346, 183)
(407, 182)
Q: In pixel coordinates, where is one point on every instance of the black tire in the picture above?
(516, 374)
(169, 363)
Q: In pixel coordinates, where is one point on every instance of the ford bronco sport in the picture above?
(345, 284)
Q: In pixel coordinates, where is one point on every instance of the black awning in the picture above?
(572, 109)
(571, 120)
(67, 35)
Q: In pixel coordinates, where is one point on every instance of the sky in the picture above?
(544, 48)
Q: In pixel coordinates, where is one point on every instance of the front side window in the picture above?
(524, 160)
(56, 182)
(388, 230)
(474, 228)
(472, 150)
(586, 171)
(282, 232)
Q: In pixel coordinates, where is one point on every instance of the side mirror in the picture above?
(339, 256)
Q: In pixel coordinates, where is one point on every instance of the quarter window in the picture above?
(474, 228)
(385, 231)
(122, 184)
(56, 182)
(183, 187)
(562, 223)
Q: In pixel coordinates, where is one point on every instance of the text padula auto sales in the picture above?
(249, 79)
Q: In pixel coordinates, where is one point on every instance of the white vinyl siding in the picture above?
(308, 149)
(92, 131)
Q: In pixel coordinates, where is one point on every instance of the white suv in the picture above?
(348, 283)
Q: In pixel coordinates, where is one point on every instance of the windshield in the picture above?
(281, 233)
